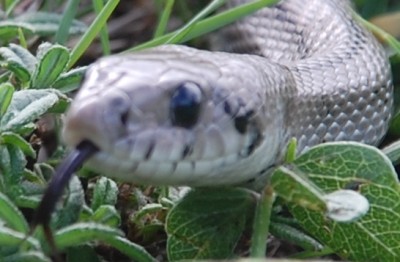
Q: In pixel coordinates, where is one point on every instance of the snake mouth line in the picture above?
(182, 172)
(111, 159)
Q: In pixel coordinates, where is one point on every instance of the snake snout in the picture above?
(100, 121)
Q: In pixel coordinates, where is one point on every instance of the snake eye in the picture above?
(185, 105)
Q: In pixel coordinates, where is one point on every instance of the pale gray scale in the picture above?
(165, 169)
(103, 161)
(143, 145)
(198, 146)
(203, 167)
(214, 147)
(185, 167)
(161, 145)
(149, 168)
(167, 148)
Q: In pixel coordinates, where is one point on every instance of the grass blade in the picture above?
(92, 31)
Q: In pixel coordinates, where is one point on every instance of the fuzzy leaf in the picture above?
(6, 94)
(26, 57)
(82, 233)
(11, 215)
(19, 141)
(28, 105)
(52, 62)
(31, 256)
(13, 62)
(39, 23)
(106, 215)
(9, 237)
(104, 193)
(69, 81)
(132, 250)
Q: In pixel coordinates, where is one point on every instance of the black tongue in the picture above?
(59, 181)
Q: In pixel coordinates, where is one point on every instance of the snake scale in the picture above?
(175, 115)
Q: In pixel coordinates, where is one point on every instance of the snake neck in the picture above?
(342, 75)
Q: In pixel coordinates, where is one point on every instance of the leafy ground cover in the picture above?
(339, 200)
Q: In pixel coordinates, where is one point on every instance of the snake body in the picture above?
(175, 115)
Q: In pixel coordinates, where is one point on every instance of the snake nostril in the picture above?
(119, 107)
(124, 118)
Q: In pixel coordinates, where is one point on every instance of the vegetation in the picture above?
(338, 199)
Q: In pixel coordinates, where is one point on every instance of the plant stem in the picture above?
(261, 223)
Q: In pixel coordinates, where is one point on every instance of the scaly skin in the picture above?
(307, 69)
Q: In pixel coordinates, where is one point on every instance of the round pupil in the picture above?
(185, 105)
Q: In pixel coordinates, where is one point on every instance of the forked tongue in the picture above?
(54, 190)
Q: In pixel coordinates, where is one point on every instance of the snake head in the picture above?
(172, 116)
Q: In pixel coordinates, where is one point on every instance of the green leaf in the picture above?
(363, 169)
(294, 235)
(11, 29)
(105, 193)
(45, 23)
(69, 81)
(295, 187)
(6, 93)
(14, 63)
(39, 23)
(82, 233)
(291, 150)
(26, 57)
(147, 210)
(52, 62)
(61, 106)
(12, 165)
(9, 237)
(86, 213)
(132, 250)
(82, 253)
(207, 223)
(106, 215)
(11, 215)
(19, 141)
(31, 256)
(28, 105)
(72, 206)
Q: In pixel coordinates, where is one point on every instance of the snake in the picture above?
(176, 115)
